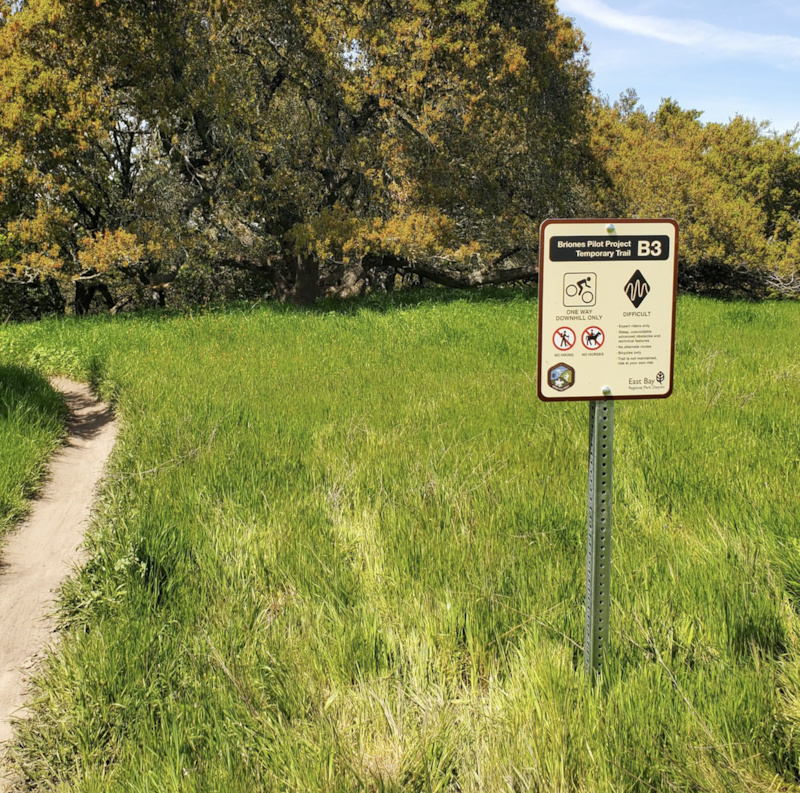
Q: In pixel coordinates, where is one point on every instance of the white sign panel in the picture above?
(607, 293)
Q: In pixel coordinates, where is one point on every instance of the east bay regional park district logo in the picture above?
(561, 377)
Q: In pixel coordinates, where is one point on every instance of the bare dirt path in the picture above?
(40, 554)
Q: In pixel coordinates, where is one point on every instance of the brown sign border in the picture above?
(539, 345)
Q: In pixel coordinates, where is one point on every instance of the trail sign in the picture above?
(610, 285)
(606, 331)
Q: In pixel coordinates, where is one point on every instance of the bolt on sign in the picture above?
(607, 293)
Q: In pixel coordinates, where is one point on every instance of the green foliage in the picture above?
(733, 188)
(32, 417)
(298, 141)
(343, 549)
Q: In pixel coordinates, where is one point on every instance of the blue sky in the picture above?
(720, 56)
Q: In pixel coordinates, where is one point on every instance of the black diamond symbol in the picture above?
(637, 289)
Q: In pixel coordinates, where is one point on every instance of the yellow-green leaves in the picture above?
(733, 188)
(246, 132)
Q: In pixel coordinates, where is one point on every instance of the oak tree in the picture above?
(316, 144)
(733, 188)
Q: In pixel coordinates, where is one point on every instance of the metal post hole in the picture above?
(598, 551)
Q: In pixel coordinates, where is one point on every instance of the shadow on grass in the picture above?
(26, 391)
(377, 301)
(411, 298)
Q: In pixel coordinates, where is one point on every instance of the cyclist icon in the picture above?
(580, 289)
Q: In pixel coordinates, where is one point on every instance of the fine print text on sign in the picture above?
(607, 308)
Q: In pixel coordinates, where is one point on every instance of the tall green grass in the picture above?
(344, 549)
(32, 419)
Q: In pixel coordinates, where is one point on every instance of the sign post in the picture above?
(598, 546)
(607, 294)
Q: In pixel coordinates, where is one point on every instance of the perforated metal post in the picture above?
(598, 551)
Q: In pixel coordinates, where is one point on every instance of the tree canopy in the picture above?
(733, 188)
(314, 145)
(309, 148)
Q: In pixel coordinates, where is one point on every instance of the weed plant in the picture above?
(344, 550)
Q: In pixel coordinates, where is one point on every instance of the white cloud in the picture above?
(778, 49)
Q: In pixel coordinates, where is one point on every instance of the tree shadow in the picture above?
(723, 283)
(378, 301)
(26, 391)
(88, 417)
(385, 302)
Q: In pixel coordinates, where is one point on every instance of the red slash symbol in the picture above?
(564, 338)
(593, 338)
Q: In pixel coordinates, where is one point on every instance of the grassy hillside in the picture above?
(32, 418)
(345, 550)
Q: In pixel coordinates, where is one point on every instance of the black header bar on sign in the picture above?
(610, 248)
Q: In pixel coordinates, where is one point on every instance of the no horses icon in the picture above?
(593, 338)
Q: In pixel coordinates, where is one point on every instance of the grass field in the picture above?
(344, 550)
(32, 424)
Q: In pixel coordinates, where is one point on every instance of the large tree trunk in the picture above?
(305, 289)
(107, 296)
(353, 283)
(56, 297)
(84, 294)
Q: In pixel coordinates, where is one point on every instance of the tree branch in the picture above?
(489, 275)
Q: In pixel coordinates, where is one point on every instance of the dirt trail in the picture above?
(37, 557)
